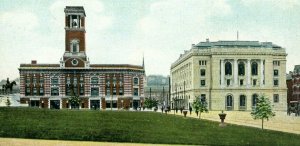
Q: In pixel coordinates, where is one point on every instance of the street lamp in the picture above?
(122, 103)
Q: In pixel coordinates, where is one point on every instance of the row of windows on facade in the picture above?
(78, 91)
(242, 100)
(254, 82)
(94, 104)
(94, 80)
(275, 63)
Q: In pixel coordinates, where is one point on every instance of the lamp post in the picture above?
(122, 103)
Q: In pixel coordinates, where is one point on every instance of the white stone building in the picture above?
(230, 75)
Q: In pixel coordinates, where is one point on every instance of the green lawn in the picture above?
(138, 127)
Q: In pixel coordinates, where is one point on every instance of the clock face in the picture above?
(74, 62)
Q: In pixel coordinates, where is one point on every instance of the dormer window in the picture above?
(74, 46)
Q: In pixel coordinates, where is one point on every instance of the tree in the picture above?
(262, 110)
(8, 103)
(75, 101)
(200, 106)
(149, 103)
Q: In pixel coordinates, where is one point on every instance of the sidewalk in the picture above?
(281, 122)
(39, 142)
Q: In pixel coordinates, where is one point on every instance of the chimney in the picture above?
(33, 61)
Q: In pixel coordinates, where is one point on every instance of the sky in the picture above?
(123, 31)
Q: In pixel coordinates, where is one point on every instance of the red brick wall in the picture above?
(46, 102)
(80, 35)
(69, 63)
(85, 102)
(126, 103)
(103, 103)
(64, 103)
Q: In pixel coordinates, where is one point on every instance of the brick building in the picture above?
(100, 86)
(293, 84)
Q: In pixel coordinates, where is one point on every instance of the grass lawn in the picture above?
(137, 127)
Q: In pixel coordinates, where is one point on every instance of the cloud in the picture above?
(280, 4)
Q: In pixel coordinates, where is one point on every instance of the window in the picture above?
(135, 81)
(75, 81)
(242, 100)
(254, 99)
(275, 72)
(228, 82)
(34, 80)
(276, 98)
(94, 80)
(74, 21)
(41, 80)
(241, 69)
(228, 68)
(41, 91)
(276, 63)
(202, 82)
(241, 82)
(54, 80)
(229, 101)
(254, 82)
(275, 82)
(114, 91)
(203, 97)
(94, 91)
(254, 67)
(81, 90)
(202, 62)
(34, 91)
(202, 72)
(68, 80)
(27, 91)
(81, 80)
(135, 91)
(27, 80)
(107, 91)
(54, 91)
(120, 91)
(68, 91)
(74, 46)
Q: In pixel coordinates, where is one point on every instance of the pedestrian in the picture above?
(162, 109)
(181, 109)
(190, 110)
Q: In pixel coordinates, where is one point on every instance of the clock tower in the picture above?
(75, 55)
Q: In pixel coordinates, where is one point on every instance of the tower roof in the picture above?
(74, 9)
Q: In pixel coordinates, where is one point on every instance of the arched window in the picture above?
(228, 68)
(74, 46)
(94, 80)
(242, 100)
(229, 102)
(241, 70)
(254, 68)
(135, 81)
(254, 99)
(54, 80)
